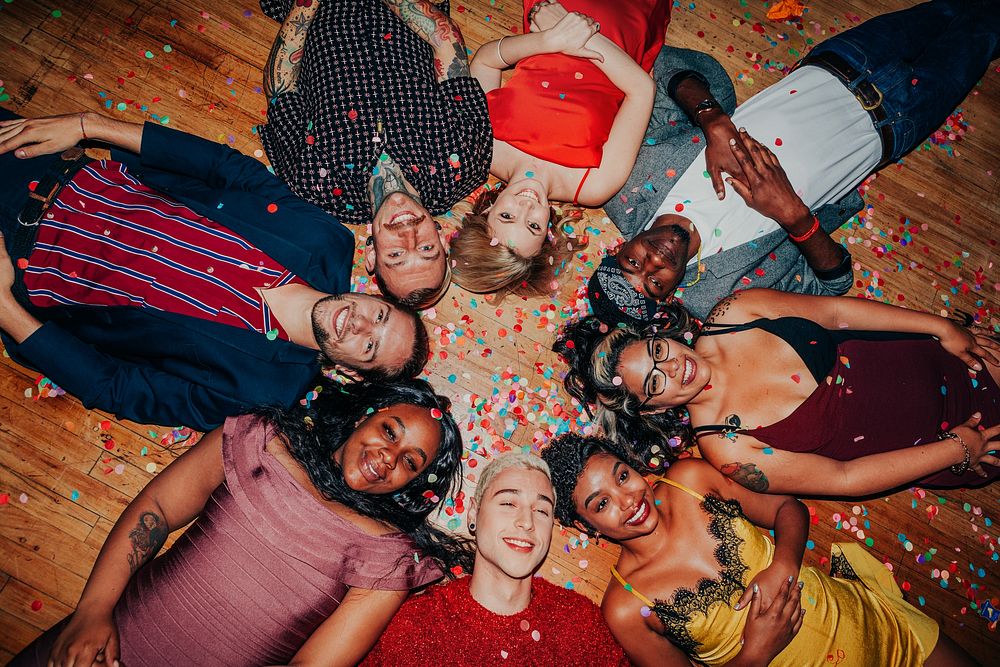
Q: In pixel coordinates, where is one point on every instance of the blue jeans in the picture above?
(924, 60)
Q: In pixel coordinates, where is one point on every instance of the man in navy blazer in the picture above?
(144, 362)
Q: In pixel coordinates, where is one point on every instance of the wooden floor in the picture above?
(927, 240)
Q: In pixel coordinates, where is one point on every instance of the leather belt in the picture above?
(59, 173)
(868, 95)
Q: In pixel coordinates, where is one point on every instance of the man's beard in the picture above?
(320, 332)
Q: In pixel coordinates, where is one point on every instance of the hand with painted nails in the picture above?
(770, 628)
(981, 443)
(972, 348)
(769, 582)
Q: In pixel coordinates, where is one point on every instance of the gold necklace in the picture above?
(698, 267)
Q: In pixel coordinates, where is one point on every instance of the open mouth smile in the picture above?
(519, 545)
(690, 368)
(369, 471)
(641, 514)
(528, 193)
(340, 321)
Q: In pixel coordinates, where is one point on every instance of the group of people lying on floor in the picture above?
(180, 282)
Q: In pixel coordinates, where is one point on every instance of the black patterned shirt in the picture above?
(363, 67)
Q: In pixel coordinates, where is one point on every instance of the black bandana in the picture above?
(614, 300)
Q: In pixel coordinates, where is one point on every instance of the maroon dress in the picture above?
(260, 569)
(878, 392)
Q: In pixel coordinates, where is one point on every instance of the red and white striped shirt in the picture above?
(108, 240)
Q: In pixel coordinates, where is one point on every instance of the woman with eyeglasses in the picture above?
(795, 394)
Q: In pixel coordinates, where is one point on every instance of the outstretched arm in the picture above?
(170, 501)
(281, 72)
(31, 137)
(437, 29)
(763, 469)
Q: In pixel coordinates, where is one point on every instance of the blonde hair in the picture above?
(518, 460)
(482, 267)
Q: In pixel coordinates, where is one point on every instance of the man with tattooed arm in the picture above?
(373, 116)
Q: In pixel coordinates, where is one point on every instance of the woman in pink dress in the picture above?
(309, 531)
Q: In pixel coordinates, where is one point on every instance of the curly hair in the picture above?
(593, 350)
(482, 267)
(315, 429)
(567, 456)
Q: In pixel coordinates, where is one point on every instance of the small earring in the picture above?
(472, 526)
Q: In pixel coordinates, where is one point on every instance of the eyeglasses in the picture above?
(656, 380)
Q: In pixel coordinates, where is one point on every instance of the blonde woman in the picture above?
(567, 127)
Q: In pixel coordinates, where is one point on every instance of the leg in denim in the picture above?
(924, 60)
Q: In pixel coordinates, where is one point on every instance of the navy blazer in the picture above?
(158, 367)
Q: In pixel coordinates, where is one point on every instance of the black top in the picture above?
(816, 346)
(362, 65)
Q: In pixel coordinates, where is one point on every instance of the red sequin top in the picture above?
(446, 626)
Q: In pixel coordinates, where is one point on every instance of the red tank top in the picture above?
(560, 108)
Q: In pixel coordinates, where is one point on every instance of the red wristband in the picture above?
(808, 235)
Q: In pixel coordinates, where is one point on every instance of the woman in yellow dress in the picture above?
(694, 567)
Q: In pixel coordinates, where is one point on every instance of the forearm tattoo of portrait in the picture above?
(147, 537)
(746, 474)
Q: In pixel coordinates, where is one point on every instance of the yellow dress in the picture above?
(858, 618)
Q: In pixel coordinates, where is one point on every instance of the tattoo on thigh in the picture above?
(746, 474)
(146, 538)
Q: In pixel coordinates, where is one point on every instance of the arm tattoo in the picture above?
(281, 72)
(722, 308)
(146, 538)
(438, 30)
(746, 474)
(386, 178)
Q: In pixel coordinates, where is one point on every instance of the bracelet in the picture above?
(500, 55)
(959, 468)
(83, 130)
(808, 235)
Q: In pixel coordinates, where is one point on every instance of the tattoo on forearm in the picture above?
(746, 474)
(281, 72)
(386, 178)
(146, 538)
(435, 28)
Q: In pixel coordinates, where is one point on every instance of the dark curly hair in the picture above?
(567, 456)
(315, 429)
(593, 351)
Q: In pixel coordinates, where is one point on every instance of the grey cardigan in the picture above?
(672, 142)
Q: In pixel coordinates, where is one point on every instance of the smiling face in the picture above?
(654, 261)
(662, 373)
(389, 449)
(615, 499)
(363, 332)
(408, 250)
(519, 218)
(514, 523)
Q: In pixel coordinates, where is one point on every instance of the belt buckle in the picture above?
(871, 106)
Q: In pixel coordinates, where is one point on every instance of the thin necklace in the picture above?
(698, 267)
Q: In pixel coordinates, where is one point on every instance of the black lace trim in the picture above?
(676, 613)
(841, 568)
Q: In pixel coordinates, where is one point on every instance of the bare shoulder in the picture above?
(694, 473)
(741, 307)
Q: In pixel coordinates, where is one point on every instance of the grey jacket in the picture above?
(672, 143)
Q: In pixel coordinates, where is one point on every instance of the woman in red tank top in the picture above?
(567, 127)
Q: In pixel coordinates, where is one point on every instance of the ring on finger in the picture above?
(597, 26)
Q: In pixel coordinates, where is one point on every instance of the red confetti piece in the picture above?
(352, 114)
(22, 263)
(36, 605)
(679, 207)
(796, 378)
(778, 142)
(272, 208)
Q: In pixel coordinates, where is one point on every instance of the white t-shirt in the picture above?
(827, 146)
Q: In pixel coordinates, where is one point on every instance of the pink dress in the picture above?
(259, 570)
